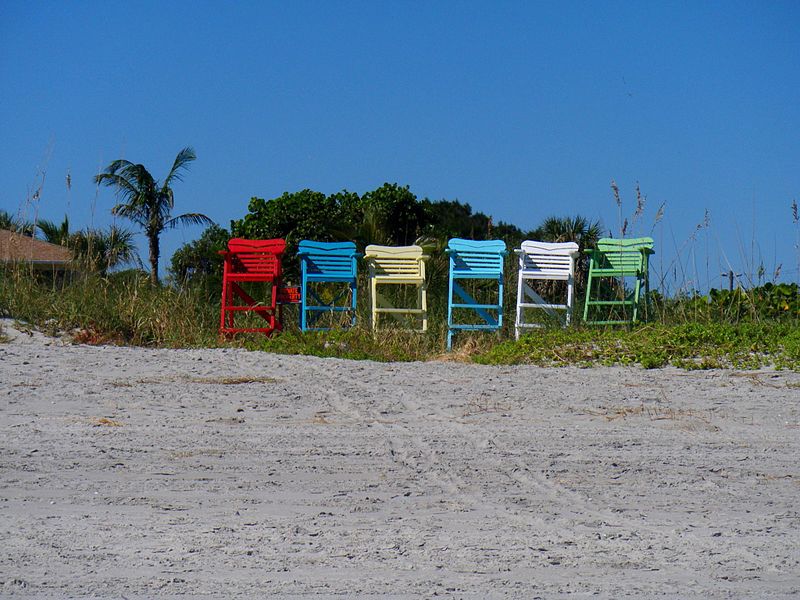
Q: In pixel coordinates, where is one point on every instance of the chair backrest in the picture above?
(476, 257)
(336, 259)
(625, 255)
(255, 257)
(395, 261)
(547, 258)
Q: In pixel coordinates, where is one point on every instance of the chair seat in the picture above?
(544, 276)
(399, 280)
(268, 277)
(476, 275)
(616, 272)
(331, 278)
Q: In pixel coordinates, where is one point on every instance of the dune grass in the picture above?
(124, 308)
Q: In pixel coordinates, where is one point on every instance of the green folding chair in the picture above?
(612, 266)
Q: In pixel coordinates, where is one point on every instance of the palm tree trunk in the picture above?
(154, 254)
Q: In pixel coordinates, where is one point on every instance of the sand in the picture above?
(140, 473)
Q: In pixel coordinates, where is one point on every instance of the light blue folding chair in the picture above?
(326, 262)
(471, 259)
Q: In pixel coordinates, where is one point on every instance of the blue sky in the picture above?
(522, 109)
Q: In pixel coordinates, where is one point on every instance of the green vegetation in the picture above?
(739, 328)
(98, 250)
(125, 308)
(685, 345)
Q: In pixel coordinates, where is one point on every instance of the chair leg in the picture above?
(223, 305)
(303, 304)
(373, 300)
(588, 295)
(354, 302)
(520, 301)
(500, 304)
(570, 299)
(450, 313)
(423, 293)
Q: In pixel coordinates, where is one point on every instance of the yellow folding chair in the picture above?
(397, 265)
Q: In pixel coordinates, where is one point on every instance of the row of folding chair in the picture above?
(320, 263)
(475, 282)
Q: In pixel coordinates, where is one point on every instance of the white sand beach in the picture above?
(138, 473)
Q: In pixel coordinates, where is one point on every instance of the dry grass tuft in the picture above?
(654, 413)
(104, 422)
(232, 380)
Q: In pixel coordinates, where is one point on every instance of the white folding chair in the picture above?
(548, 262)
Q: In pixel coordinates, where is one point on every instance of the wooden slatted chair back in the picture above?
(471, 258)
(328, 259)
(547, 260)
(624, 256)
(402, 262)
(254, 259)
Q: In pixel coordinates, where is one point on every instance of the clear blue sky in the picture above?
(522, 109)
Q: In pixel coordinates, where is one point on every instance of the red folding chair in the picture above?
(251, 261)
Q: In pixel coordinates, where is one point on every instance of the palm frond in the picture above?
(181, 164)
(53, 233)
(132, 212)
(125, 188)
(188, 219)
(8, 221)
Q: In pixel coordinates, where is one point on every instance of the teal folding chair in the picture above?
(476, 260)
(611, 265)
(326, 262)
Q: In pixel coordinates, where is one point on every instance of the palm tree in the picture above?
(103, 250)
(149, 203)
(55, 234)
(576, 229)
(8, 221)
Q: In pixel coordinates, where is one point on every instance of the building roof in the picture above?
(15, 247)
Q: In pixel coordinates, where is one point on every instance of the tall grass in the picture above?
(122, 308)
(739, 330)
